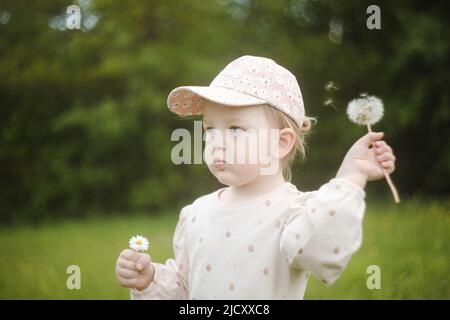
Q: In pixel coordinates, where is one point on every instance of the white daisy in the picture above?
(139, 243)
(365, 110)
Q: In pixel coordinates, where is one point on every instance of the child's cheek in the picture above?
(249, 150)
(207, 153)
(236, 151)
(246, 149)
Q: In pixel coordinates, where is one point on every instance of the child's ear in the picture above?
(286, 142)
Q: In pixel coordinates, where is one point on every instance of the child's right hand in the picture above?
(134, 270)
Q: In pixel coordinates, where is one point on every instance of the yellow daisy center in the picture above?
(138, 242)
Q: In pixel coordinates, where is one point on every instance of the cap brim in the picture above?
(188, 100)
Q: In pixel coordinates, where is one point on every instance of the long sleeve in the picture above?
(324, 228)
(171, 278)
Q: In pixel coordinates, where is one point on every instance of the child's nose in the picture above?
(218, 141)
(218, 147)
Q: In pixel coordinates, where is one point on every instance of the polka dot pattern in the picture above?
(231, 247)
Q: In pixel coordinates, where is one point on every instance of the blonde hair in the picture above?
(299, 148)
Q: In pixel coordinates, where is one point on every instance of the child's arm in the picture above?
(324, 227)
(170, 279)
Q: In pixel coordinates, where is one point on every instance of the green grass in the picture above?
(34, 260)
(409, 242)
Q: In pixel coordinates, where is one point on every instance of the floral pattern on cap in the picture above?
(246, 81)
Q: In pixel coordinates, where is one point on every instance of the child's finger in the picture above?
(129, 283)
(126, 273)
(386, 156)
(382, 146)
(370, 137)
(143, 261)
(390, 169)
(129, 254)
(389, 149)
(126, 264)
(379, 146)
(380, 143)
(387, 164)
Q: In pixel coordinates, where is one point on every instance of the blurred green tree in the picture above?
(84, 124)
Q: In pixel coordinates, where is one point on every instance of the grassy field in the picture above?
(409, 242)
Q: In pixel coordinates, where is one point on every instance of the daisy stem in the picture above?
(386, 175)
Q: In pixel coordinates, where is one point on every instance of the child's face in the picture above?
(230, 134)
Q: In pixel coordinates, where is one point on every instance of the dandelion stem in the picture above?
(386, 175)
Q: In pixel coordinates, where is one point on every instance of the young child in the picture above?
(258, 238)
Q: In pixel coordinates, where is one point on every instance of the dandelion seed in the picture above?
(330, 85)
(329, 103)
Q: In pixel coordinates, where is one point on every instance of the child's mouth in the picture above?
(219, 163)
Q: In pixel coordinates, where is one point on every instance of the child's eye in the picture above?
(210, 132)
(235, 129)
(209, 129)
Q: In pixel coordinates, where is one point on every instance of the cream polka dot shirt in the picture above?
(263, 248)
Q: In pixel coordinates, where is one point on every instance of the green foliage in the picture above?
(84, 125)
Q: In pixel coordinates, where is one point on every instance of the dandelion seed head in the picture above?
(365, 110)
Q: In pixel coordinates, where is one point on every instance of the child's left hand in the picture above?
(362, 163)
